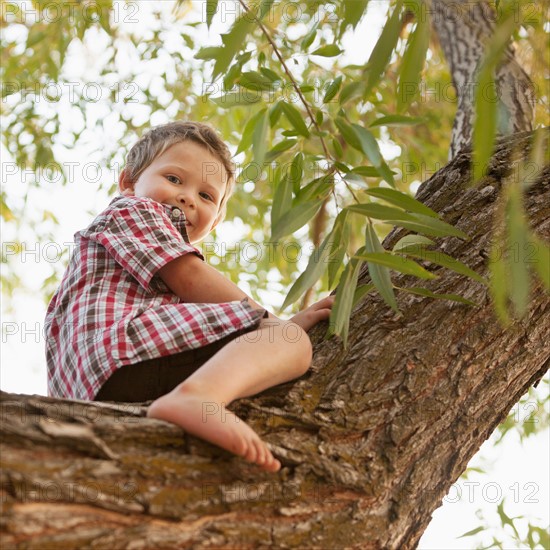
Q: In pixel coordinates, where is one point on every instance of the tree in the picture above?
(329, 425)
(370, 440)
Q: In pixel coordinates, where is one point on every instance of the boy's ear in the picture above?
(125, 185)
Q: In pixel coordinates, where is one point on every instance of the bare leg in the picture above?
(273, 354)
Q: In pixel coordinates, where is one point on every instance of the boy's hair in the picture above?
(157, 140)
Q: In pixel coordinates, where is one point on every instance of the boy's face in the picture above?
(188, 176)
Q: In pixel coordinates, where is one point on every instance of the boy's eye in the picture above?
(173, 179)
(206, 196)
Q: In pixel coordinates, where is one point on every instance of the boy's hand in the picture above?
(319, 311)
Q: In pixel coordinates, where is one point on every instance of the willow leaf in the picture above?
(397, 263)
(402, 200)
(379, 274)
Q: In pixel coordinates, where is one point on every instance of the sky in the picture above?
(518, 473)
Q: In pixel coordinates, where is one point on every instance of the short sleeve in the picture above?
(140, 236)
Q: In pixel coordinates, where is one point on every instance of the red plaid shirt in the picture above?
(111, 308)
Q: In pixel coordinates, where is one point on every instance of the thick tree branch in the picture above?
(370, 439)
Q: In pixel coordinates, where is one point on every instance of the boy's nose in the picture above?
(186, 199)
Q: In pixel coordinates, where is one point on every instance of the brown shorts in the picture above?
(153, 378)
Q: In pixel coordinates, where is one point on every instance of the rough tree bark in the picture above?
(371, 439)
(463, 28)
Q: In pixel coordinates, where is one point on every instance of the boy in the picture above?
(140, 316)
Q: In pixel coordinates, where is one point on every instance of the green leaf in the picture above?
(429, 226)
(253, 80)
(330, 50)
(486, 98)
(275, 113)
(319, 117)
(444, 260)
(353, 11)
(35, 36)
(279, 149)
(316, 266)
(425, 292)
(348, 133)
(397, 120)
(411, 240)
(397, 263)
(295, 218)
(332, 89)
(351, 90)
(296, 172)
(381, 54)
(408, 85)
(5, 211)
(518, 244)
(472, 532)
(271, 75)
(265, 6)
(260, 137)
(282, 199)
(231, 75)
(342, 233)
(402, 200)
(343, 303)
(379, 274)
(209, 52)
(309, 37)
(498, 276)
(317, 188)
(211, 9)
(364, 171)
(234, 99)
(379, 212)
(541, 260)
(233, 41)
(251, 172)
(361, 292)
(386, 173)
(337, 148)
(369, 145)
(248, 132)
(244, 57)
(505, 519)
(295, 118)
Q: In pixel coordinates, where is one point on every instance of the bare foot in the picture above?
(211, 421)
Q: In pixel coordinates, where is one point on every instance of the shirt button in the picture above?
(176, 213)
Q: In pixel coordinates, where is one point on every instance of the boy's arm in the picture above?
(195, 281)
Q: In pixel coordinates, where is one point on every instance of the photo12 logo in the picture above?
(31, 12)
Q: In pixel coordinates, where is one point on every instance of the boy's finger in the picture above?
(325, 302)
(321, 315)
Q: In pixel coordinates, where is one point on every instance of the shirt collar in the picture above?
(177, 217)
(175, 214)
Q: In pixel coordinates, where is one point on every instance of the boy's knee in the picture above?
(294, 339)
(300, 344)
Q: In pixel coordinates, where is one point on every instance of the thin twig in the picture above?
(302, 99)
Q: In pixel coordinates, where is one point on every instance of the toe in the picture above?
(240, 447)
(264, 456)
(251, 453)
(273, 465)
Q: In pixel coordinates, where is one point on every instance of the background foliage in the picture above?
(330, 142)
